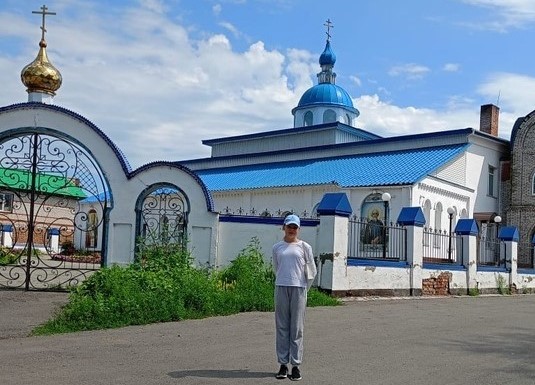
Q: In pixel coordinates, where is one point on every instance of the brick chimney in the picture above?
(488, 121)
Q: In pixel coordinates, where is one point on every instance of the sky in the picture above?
(160, 76)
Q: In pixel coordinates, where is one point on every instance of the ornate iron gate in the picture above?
(53, 204)
(162, 218)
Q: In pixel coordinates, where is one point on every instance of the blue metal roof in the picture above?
(326, 93)
(371, 169)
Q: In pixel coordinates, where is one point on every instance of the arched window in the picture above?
(309, 119)
(438, 224)
(464, 214)
(329, 116)
(373, 216)
(438, 216)
(427, 215)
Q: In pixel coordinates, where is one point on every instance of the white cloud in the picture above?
(505, 13)
(410, 71)
(356, 80)
(451, 67)
(229, 27)
(388, 120)
(216, 9)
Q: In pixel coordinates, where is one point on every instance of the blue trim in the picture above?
(265, 220)
(525, 271)
(318, 127)
(7, 228)
(508, 233)
(350, 145)
(411, 216)
(376, 262)
(207, 195)
(335, 204)
(36, 105)
(500, 269)
(53, 231)
(466, 227)
(443, 266)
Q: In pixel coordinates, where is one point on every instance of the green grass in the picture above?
(164, 286)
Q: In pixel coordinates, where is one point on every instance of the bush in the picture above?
(164, 286)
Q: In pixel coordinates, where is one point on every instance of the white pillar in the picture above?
(7, 240)
(333, 239)
(509, 236)
(468, 230)
(54, 240)
(413, 219)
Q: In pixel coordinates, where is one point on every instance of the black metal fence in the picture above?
(440, 246)
(488, 252)
(372, 240)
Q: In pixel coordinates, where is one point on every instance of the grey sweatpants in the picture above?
(290, 306)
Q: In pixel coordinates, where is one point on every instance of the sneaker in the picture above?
(283, 372)
(296, 374)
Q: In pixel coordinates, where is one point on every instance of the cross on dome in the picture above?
(329, 25)
(43, 12)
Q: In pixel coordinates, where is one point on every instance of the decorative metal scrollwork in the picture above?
(52, 195)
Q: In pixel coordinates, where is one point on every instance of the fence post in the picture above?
(54, 239)
(333, 239)
(413, 219)
(468, 230)
(7, 237)
(509, 236)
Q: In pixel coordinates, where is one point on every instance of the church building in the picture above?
(449, 173)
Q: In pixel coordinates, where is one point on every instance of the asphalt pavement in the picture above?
(417, 341)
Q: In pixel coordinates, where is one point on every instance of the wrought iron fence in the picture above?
(440, 246)
(488, 252)
(373, 240)
(525, 255)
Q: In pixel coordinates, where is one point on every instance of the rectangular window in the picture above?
(492, 172)
(6, 202)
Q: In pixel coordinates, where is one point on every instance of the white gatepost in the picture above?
(7, 236)
(413, 219)
(333, 240)
(468, 230)
(509, 236)
(54, 240)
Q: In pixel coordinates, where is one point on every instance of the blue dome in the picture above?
(327, 57)
(326, 93)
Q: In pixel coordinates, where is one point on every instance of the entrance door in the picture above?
(53, 198)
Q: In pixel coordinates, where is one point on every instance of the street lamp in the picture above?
(451, 211)
(386, 200)
(497, 256)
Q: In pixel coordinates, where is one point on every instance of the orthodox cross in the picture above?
(43, 12)
(329, 25)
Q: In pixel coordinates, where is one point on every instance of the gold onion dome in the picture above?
(40, 75)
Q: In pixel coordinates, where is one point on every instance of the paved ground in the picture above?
(439, 341)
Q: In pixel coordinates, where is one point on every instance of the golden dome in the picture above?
(40, 75)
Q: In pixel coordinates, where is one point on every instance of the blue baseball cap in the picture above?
(292, 219)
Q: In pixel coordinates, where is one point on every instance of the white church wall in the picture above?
(447, 195)
(480, 158)
(375, 279)
(233, 237)
(124, 190)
